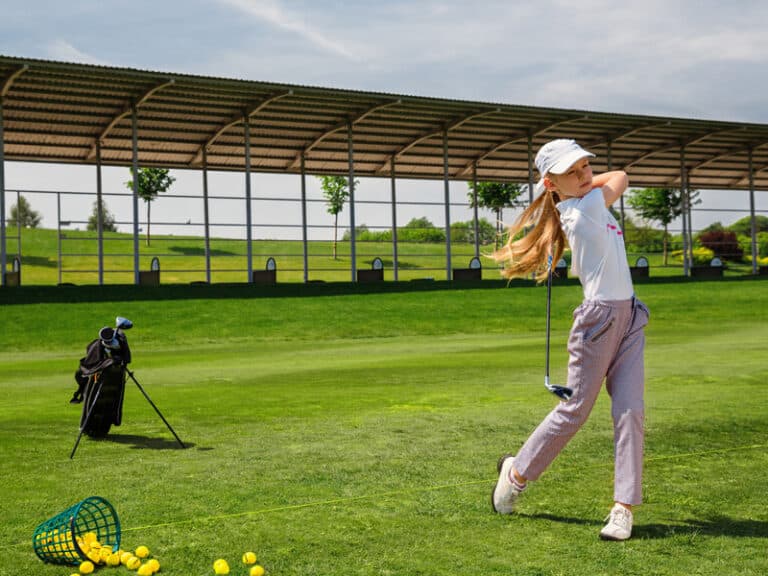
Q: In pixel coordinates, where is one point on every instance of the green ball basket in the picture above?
(56, 541)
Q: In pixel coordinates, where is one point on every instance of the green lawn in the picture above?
(357, 434)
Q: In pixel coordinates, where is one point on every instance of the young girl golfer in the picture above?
(606, 340)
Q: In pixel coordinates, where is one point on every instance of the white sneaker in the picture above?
(619, 524)
(505, 493)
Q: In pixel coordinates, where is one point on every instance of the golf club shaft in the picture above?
(549, 303)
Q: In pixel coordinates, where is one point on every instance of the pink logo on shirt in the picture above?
(615, 229)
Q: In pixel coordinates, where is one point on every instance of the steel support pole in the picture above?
(304, 235)
(58, 232)
(135, 168)
(99, 213)
(475, 218)
(447, 194)
(248, 217)
(753, 219)
(3, 245)
(683, 199)
(394, 218)
(530, 169)
(352, 229)
(206, 218)
(688, 211)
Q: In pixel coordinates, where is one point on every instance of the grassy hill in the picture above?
(182, 259)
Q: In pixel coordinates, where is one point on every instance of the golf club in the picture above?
(563, 392)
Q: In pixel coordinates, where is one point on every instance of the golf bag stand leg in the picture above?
(87, 418)
(155, 407)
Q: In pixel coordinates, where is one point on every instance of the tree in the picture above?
(743, 227)
(152, 181)
(22, 215)
(336, 192)
(495, 196)
(107, 219)
(661, 205)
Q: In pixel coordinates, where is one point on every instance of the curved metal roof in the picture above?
(58, 112)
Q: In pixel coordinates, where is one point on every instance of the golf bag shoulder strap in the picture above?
(94, 359)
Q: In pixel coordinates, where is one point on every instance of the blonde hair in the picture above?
(530, 253)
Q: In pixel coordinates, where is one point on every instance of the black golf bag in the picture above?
(101, 382)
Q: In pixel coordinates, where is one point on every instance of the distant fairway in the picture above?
(357, 434)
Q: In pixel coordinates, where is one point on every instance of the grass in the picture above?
(182, 259)
(358, 433)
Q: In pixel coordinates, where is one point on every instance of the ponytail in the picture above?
(530, 253)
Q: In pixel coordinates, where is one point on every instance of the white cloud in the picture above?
(60, 49)
(272, 12)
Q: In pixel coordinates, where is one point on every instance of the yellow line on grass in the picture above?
(391, 493)
(349, 499)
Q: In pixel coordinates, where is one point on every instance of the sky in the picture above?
(684, 58)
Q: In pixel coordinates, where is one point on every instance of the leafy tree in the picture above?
(465, 231)
(107, 219)
(151, 182)
(660, 205)
(336, 191)
(743, 227)
(495, 196)
(22, 215)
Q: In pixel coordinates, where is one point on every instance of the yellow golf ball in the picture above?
(124, 557)
(257, 570)
(142, 552)
(221, 566)
(133, 563)
(113, 559)
(154, 564)
(86, 567)
(145, 570)
(249, 558)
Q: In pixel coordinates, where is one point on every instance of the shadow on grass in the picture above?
(197, 251)
(138, 442)
(41, 261)
(715, 526)
(561, 519)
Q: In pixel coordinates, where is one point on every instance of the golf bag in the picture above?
(101, 382)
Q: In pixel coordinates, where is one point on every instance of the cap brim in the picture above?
(562, 165)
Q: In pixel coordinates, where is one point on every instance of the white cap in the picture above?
(556, 156)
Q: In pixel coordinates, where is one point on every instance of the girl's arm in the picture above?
(613, 184)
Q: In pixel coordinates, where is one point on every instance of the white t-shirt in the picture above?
(599, 258)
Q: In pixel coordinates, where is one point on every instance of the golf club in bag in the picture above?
(562, 392)
(101, 379)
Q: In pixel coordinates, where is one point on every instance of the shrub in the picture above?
(762, 244)
(701, 256)
(724, 243)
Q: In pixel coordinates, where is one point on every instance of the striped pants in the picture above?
(606, 343)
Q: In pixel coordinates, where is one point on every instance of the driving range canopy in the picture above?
(76, 113)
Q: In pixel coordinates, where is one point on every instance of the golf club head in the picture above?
(562, 392)
(122, 323)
